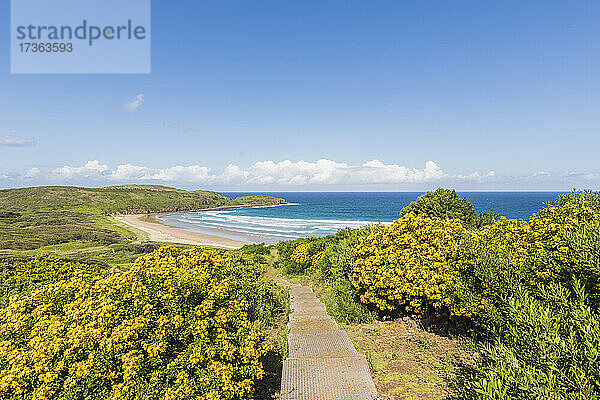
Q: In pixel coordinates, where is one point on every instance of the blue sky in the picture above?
(312, 95)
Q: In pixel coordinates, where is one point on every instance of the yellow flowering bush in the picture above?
(300, 254)
(551, 238)
(306, 256)
(541, 282)
(171, 327)
(410, 264)
(539, 252)
(24, 274)
(419, 263)
(555, 246)
(317, 258)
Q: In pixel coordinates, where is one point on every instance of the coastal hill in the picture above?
(38, 216)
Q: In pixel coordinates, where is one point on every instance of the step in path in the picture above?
(322, 363)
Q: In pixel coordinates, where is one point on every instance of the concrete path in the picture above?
(322, 364)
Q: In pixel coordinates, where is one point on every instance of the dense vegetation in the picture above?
(527, 292)
(40, 216)
(327, 262)
(80, 319)
(196, 323)
(177, 324)
(23, 275)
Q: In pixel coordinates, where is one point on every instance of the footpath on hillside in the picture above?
(322, 363)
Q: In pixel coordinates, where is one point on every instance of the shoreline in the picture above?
(158, 231)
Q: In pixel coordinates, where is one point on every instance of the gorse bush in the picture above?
(530, 289)
(20, 275)
(421, 264)
(410, 265)
(176, 325)
(388, 267)
(285, 261)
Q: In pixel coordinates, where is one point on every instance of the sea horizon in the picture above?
(322, 213)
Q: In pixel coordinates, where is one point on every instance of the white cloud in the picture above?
(297, 174)
(377, 172)
(592, 176)
(180, 173)
(572, 174)
(129, 171)
(477, 177)
(233, 173)
(92, 169)
(327, 172)
(16, 141)
(32, 173)
(135, 104)
(288, 173)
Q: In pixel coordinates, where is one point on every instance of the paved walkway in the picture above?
(322, 364)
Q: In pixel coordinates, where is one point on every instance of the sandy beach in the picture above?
(159, 232)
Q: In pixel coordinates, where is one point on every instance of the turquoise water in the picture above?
(323, 213)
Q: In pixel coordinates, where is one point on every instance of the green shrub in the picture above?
(259, 248)
(549, 348)
(284, 260)
(445, 204)
(344, 305)
(558, 245)
(249, 282)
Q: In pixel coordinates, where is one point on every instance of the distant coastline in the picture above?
(183, 209)
(158, 231)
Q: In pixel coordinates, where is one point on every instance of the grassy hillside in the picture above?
(40, 216)
(118, 199)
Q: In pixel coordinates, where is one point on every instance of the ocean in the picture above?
(323, 213)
